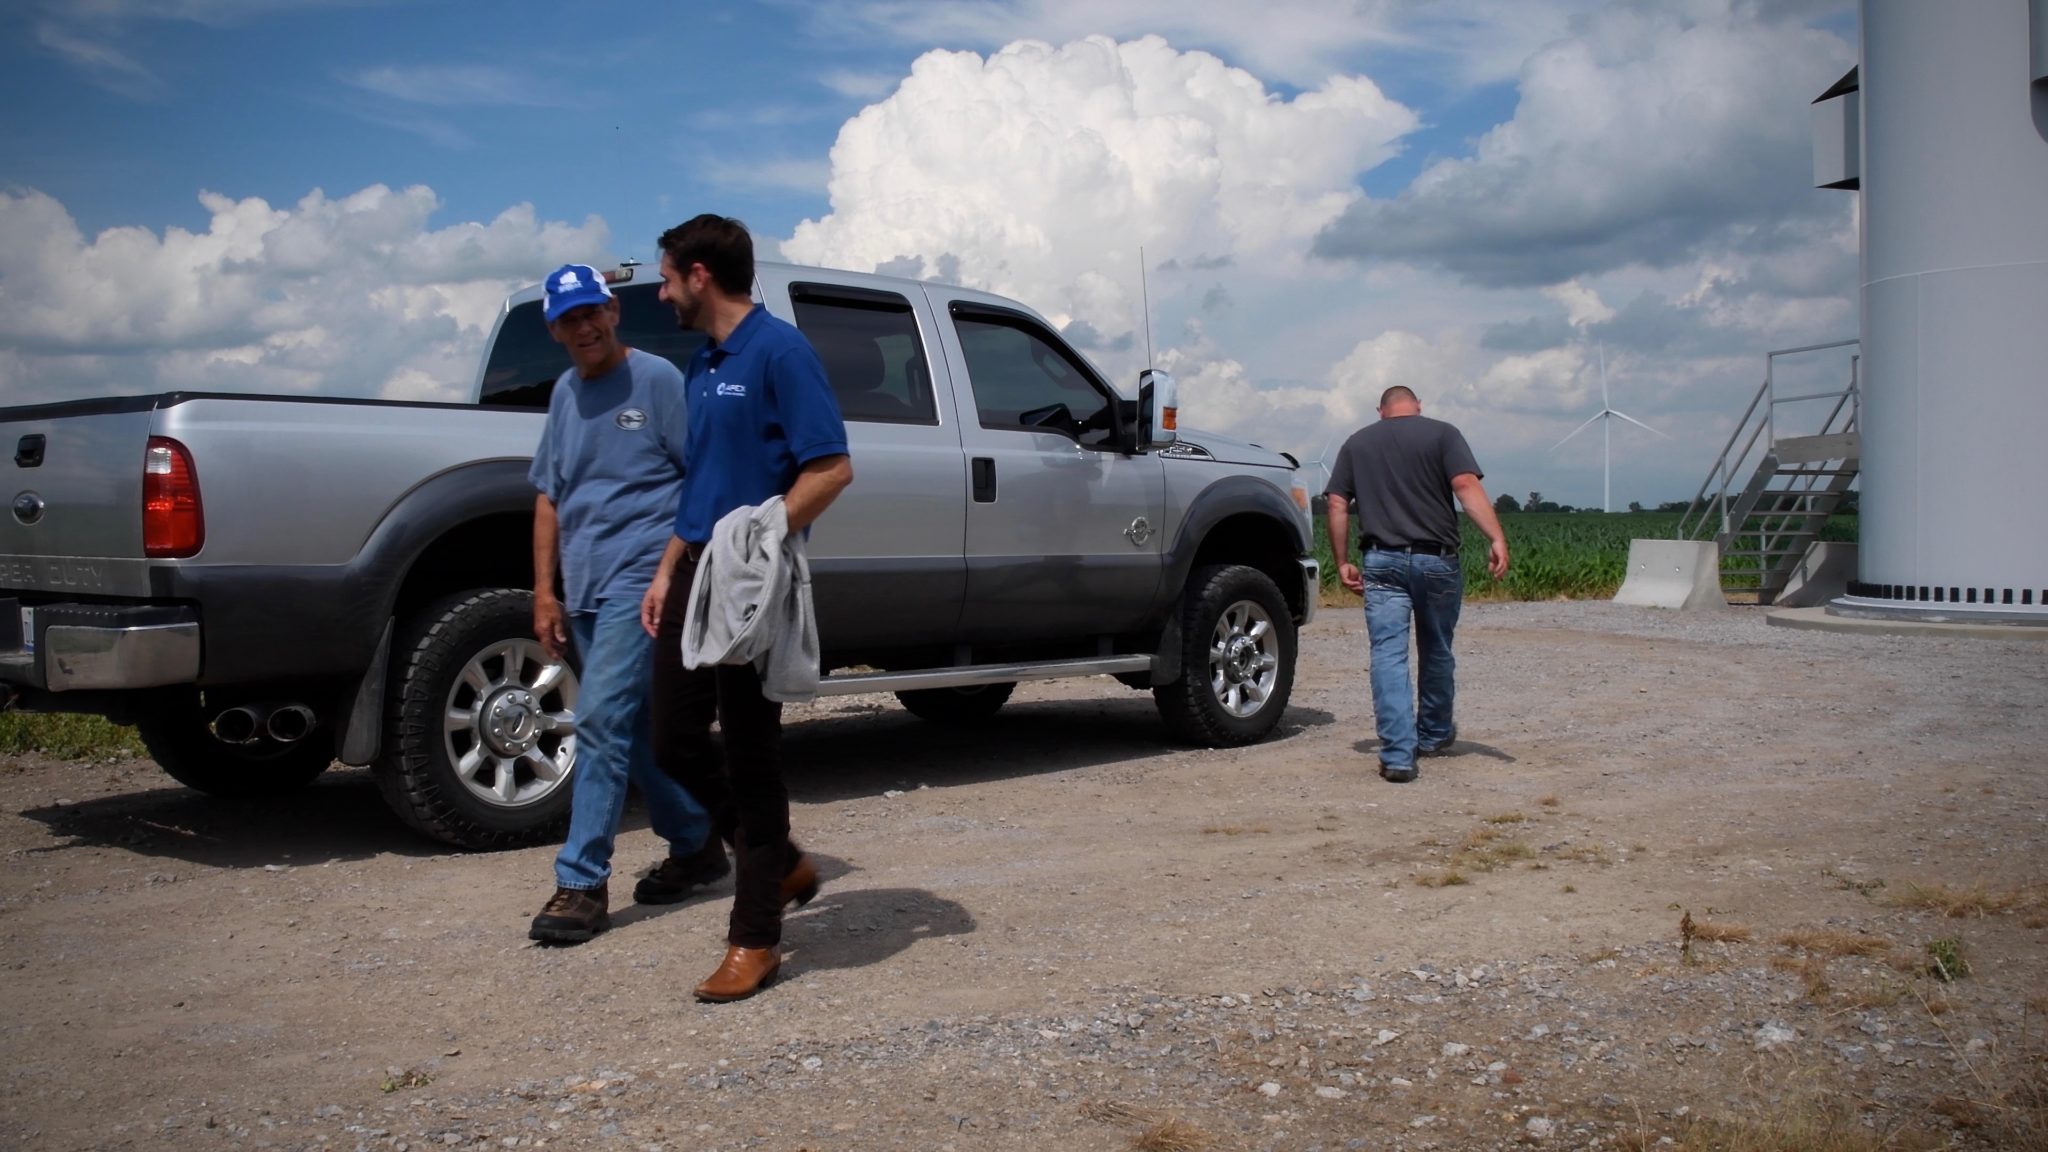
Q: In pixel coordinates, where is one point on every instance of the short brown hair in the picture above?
(721, 244)
(1398, 392)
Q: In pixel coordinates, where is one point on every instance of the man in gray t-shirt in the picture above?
(606, 473)
(1401, 475)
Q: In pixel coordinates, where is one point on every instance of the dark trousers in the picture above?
(741, 788)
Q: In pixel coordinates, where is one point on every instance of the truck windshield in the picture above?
(525, 361)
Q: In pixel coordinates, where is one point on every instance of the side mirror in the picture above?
(1158, 409)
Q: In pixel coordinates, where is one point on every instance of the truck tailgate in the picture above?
(73, 492)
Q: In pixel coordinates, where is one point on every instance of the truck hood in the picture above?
(1198, 444)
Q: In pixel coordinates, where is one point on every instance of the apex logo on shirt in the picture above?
(632, 419)
(732, 389)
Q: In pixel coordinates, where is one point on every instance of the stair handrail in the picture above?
(1690, 529)
(1731, 463)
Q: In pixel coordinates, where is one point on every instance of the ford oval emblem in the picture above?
(28, 507)
(632, 419)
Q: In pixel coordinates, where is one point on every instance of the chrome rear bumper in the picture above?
(86, 647)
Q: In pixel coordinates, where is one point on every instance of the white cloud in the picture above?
(1649, 136)
(101, 63)
(1302, 42)
(1040, 171)
(357, 295)
(461, 85)
(860, 85)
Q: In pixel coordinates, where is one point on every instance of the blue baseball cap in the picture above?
(573, 286)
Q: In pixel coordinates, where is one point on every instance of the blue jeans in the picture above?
(614, 742)
(1399, 585)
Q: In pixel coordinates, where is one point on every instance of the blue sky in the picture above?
(1460, 195)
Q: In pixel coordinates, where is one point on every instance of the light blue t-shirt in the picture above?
(611, 460)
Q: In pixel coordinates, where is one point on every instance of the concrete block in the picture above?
(1673, 574)
(1823, 574)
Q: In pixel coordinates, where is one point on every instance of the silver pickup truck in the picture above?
(264, 585)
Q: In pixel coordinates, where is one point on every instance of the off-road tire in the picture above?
(180, 742)
(1190, 705)
(956, 705)
(414, 770)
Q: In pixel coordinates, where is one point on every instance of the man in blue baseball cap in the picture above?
(609, 470)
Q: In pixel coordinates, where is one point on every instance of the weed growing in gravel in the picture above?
(1792, 1127)
(410, 1078)
(1234, 829)
(1506, 818)
(1449, 878)
(1172, 1136)
(1716, 932)
(1946, 961)
(1826, 942)
(1548, 802)
(1812, 972)
(66, 736)
(1976, 900)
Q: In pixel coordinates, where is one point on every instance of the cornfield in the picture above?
(1573, 555)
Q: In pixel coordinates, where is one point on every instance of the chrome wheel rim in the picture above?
(1244, 659)
(510, 724)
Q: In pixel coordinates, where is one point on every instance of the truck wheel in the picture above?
(1237, 659)
(180, 742)
(480, 736)
(956, 705)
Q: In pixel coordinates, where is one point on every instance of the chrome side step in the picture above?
(968, 675)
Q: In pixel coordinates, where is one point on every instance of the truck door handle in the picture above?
(984, 479)
(29, 453)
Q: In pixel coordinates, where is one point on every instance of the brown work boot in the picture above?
(743, 972)
(800, 883)
(573, 916)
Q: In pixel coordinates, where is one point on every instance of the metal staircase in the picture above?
(1790, 484)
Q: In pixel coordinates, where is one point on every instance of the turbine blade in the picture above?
(1576, 431)
(1640, 424)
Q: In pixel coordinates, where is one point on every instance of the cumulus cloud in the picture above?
(1650, 134)
(1040, 171)
(1301, 42)
(356, 295)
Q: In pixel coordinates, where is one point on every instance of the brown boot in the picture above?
(743, 972)
(800, 883)
(573, 916)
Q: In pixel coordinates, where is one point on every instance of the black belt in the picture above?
(1422, 548)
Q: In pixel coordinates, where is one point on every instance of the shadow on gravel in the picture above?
(1462, 748)
(856, 927)
(866, 752)
(340, 817)
(830, 869)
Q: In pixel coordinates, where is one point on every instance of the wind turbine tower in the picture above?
(1606, 417)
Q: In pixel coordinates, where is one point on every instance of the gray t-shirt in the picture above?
(611, 459)
(1399, 472)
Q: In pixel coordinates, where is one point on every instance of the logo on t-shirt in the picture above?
(732, 389)
(632, 419)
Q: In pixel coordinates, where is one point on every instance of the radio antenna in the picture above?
(1145, 291)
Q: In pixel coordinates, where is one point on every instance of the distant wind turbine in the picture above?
(1605, 417)
(1322, 462)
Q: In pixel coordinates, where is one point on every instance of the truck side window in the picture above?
(1026, 381)
(525, 361)
(869, 345)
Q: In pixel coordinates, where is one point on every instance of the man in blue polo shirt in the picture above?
(763, 423)
(608, 468)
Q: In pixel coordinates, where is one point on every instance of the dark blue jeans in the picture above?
(1430, 590)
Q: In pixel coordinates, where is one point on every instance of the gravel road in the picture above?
(1058, 931)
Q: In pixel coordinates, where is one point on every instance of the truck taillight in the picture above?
(172, 524)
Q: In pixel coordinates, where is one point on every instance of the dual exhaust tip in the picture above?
(284, 723)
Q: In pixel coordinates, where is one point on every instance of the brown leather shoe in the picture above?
(743, 972)
(800, 883)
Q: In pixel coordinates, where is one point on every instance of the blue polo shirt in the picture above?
(760, 408)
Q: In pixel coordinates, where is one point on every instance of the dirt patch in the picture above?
(1056, 931)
